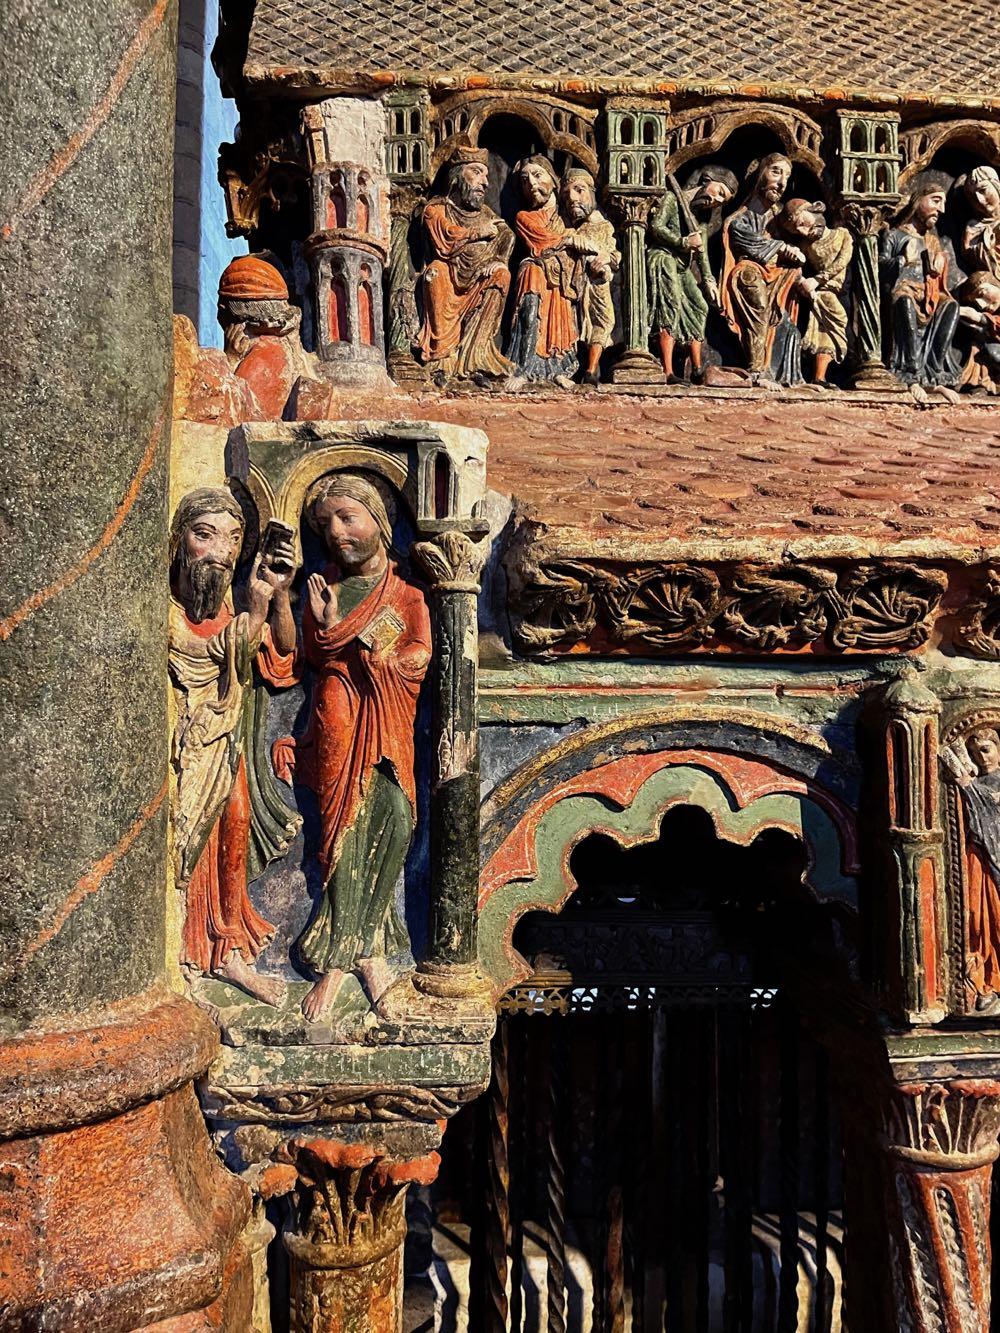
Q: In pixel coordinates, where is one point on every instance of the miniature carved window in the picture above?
(627, 130)
(860, 180)
(337, 308)
(417, 158)
(401, 158)
(442, 486)
(882, 139)
(363, 213)
(859, 139)
(558, 121)
(399, 122)
(882, 178)
(625, 171)
(336, 207)
(648, 131)
(650, 174)
(415, 121)
(366, 307)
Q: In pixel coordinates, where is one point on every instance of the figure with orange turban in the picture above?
(261, 331)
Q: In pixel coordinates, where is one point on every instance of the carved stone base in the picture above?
(452, 981)
(874, 377)
(114, 1211)
(636, 366)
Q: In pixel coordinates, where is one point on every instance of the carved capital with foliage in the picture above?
(867, 219)
(452, 561)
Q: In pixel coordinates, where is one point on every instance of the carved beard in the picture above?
(579, 211)
(208, 583)
(471, 196)
(351, 556)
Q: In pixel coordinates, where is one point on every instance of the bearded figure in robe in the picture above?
(918, 268)
(261, 334)
(366, 639)
(230, 818)
(828, 252)
(465, 282)
(597, 261)
(543, 341)
(760, 273)
(980, 788)
(981, 241)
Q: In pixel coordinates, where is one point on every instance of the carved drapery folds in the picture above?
(562, 604)
(941, 1142)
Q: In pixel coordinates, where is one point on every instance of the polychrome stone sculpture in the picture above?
(981, 240)
(229, 817)
(464, 285)
(543, 343)
(681, 284)
(261, 330)
(598, 260)
(828, 252)
(366, 640)
(918, 267)
(760, 275)
(973, 765)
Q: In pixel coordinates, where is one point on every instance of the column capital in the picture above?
(452, 560)
(948, 1125)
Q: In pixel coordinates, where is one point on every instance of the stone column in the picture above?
(401, 307)
(453, 561)
(345, 1236)
(910, 843)
(866, 222)
(941, 1143)
(636, 365)
(113, 1209)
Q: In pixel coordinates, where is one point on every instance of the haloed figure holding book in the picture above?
(366, 636)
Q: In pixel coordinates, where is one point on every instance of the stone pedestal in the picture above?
(345, 1239)
(114, 1210)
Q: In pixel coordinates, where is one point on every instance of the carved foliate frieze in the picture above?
(672, 607)
(452, 561)
(977, 631)
(337, 1103)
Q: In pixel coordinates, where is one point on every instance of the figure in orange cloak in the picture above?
(543, 342)
(366, 637)
(465, 283)
(981, 808)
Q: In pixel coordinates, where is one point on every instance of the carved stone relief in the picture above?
(561, 604)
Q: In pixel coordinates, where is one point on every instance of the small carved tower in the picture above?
(349, 242)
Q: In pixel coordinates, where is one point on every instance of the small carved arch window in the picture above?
(401, 157)
(442, 485)
(882, 177)
(366, 307)
(463, 121)
(415, 121)
(363, 213)
(336, 319)
(399, 122)
(650, 173)
(860, 181)
(648, 130)
(858, 139)
(627, 130)
(625, 172)
(418, 157)
(336, 206)
(882, 139)
(558, 121)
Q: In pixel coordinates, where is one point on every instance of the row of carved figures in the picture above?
(782, 292)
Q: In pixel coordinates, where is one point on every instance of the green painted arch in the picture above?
(570, 820)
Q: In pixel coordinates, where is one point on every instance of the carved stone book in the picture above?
(382, 631)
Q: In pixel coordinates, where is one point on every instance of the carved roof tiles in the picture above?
(938, 49)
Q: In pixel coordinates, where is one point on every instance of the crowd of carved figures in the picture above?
(749, 259)
(689, 246)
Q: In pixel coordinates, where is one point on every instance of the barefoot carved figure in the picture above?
(230, 819)
(366, 639)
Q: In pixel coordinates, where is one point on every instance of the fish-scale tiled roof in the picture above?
(935, 49)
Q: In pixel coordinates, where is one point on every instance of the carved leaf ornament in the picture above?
(562, 604)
